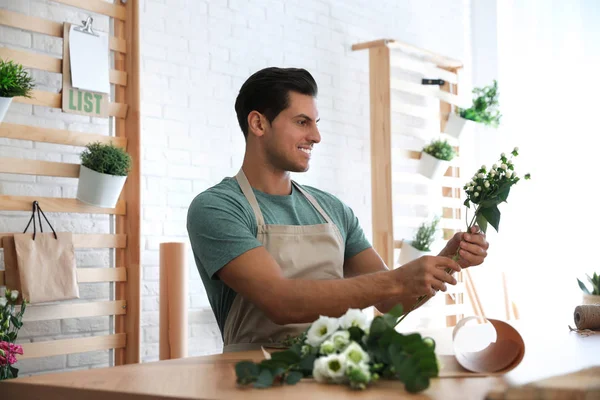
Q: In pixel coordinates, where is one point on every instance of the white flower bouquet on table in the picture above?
(351, 350)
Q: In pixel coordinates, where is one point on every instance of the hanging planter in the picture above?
(421, 244)
(14, 81)
(435, 159)
(484, 110)
(457, 125)
(102, 175)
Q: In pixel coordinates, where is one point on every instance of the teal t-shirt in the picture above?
(222, 226)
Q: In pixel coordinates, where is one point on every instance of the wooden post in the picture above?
(130, 224)
(381, 156)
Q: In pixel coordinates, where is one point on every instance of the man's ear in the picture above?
(257, 123)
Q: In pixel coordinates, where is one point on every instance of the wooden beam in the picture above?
(381, 157)
(51, 64)
(56, 204)
(47, 27)
(93, 275)
(131, 224)
(72, 346)
(416, 52)
(99, 7)
(74, 310)
(57, 136)
(54, 100)
(91, 240)
(36, 167)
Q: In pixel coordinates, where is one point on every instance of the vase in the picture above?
(4, 105)
(591, 299)
(431, 167)
(409, 253)
(97, 189)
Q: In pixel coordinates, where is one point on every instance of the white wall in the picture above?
(195, 56)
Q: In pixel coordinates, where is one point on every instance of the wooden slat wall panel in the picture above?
(51, 64)
(92, 240)
(72, 346)
(54, 100)
(426, 90)
(93, 275)
(98, 6)
(52, 204)
(73, 310)
(47, 27)
(426, 69)
(57, 136)
(36, 167)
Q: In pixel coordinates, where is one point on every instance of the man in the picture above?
(274, 255)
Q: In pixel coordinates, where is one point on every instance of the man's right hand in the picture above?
(426, 275)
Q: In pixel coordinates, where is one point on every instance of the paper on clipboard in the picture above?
(89, 61)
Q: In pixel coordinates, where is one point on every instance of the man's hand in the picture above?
(425, 276)
(473, 247)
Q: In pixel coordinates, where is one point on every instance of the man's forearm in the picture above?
(303, 301)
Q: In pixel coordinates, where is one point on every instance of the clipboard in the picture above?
(75, 100)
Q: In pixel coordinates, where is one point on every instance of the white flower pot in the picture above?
(591, 299)
(457, 125)
(101, 190)
(431, 167)
(408, 253)
(4, 104)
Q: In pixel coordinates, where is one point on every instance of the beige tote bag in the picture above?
(46, 263)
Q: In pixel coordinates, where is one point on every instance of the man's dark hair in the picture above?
(267, 91)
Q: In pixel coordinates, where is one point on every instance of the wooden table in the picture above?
(550, 350)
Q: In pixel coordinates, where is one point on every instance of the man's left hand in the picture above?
(473, 247)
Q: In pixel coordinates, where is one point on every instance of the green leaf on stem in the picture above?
(306, 364)
(293, 377)
(492, 215)
(264, 380)
(583, 287)
(482, 222)
(246, 372)
(467, 203)
(287, 356)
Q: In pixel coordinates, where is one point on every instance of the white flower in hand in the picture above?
(509, 173)
(340, 339)
(321, 329)
(355, 354)
(476, 194)
(481, 175)
(504, 166)
(331, 368)
(478, 187)
(355, 317)
(493, 174)
(3, 301)
(14, 294)
(486, 184)
(495, 166)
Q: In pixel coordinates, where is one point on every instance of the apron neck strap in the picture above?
(247, 190)
(314, 202)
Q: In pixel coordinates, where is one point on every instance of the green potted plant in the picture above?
(591, 296)
(421, 243)
(484, 110)
(14, 81)
(435, 159)
(104, 169)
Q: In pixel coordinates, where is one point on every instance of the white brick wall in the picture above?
(195, 56)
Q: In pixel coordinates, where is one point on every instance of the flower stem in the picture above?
(455, 257)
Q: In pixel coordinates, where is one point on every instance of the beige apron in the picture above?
(302, 252)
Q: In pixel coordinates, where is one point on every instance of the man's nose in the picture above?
(315, 135)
